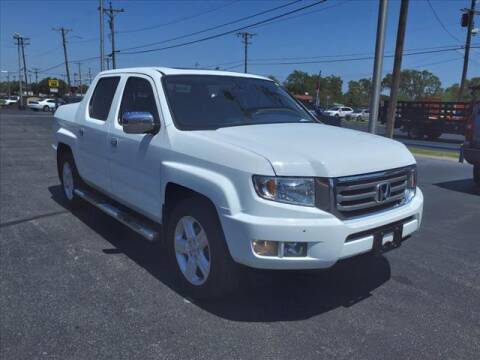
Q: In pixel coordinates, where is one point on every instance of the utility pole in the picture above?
(17, 37)
(397, 67)
(23, 44)
(64, 32)
(35, 71)
(80, 77)
(377, 66)
(108, 62)
(89, 76)
(102, 28)
(471, 13)
(245, 37)
(111, 13)
(317, 90)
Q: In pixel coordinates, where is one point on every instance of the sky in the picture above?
(316, 37)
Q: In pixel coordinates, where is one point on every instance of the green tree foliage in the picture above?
(358, 93)
(415, 85)
(299, 82)
(451, 92)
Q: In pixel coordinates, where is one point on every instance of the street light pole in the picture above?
(377, 66)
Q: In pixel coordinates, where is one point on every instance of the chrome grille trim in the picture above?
(356, 195)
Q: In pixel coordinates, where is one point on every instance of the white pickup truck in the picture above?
(227, 169)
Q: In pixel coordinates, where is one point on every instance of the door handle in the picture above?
(80, 131)
(114, 142)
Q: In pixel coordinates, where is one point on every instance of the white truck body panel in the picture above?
(219, 164)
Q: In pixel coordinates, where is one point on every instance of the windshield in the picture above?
(208, 102)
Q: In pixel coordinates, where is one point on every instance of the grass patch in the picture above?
(434, 152)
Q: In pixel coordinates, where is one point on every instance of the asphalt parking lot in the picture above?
(82, 286)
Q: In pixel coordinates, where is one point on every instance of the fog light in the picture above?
(265, 248)
(295, 249)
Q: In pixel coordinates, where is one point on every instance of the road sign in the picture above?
(53, 83)
(54, 90)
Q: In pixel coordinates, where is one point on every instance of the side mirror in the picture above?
(138, 123)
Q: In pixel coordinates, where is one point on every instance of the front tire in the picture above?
(46, 108)
(198, 250)
(69, 178)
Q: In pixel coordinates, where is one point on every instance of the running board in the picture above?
(134, 222)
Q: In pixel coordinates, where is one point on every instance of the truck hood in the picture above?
(311, 149)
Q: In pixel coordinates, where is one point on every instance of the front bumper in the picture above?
(326, 237)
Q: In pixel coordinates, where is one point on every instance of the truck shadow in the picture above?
(263, 296)
(466, 186)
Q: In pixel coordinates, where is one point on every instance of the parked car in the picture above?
(339, 111)
(230, 169)
(44, 105)
(360, 114)
(471, 146)
(9, 100)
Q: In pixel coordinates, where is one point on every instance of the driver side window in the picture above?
(138, 96)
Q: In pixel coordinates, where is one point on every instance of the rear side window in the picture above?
(102, 97)
(138, 96)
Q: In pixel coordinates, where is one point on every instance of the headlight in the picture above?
(411, 184)
(290, 190)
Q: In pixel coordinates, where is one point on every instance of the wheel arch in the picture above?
(181, 180)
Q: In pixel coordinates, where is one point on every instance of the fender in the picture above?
(215, 186)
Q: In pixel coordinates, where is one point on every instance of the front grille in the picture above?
(359, 195)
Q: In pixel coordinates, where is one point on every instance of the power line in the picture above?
(357, 58)
(224, 33)
(335, 56)
(173, 22)
(440, 22)
(214, 27)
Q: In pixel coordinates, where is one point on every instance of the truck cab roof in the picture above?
(180, 71)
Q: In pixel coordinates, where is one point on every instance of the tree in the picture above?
(415, 85)
(43, 87)
(299, 82)
(358, 93)
(451, 92)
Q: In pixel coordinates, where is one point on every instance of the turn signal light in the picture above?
(279, 249)
(265, 248)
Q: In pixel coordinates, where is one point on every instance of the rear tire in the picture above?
(434, 134)
(476, 174)
(46, 108)
(69, 178)
(198, 250)
(416, 132)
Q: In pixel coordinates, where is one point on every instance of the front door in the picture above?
(135, 158)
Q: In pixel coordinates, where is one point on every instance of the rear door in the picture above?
(93, 134)
(135, 159)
